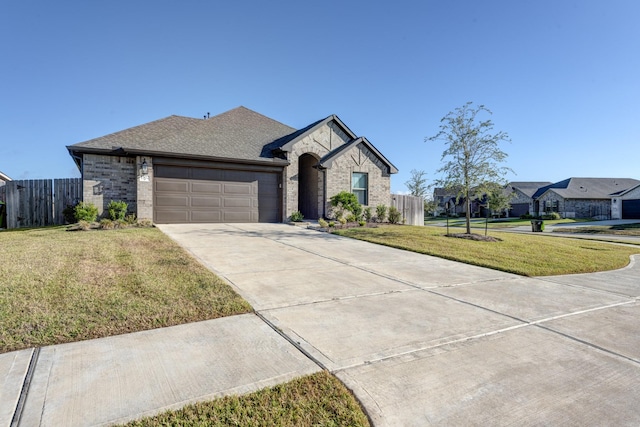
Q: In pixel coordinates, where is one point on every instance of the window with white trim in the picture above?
(360, 187)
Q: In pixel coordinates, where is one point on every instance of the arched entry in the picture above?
(308, 186)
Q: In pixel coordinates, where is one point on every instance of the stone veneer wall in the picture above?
(107, 178)
(318, 143)
(519, 197)
(145, 189)
(360, 159)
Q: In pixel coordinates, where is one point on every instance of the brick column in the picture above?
(144, 188)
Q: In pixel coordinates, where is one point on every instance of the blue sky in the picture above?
(561, 77)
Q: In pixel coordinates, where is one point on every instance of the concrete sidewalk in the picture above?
(420, 340)
(124, 377)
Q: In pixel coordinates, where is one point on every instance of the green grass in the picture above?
(527, 255)
(58, 286)
(315, 400)
(618, 230)
(496, 223)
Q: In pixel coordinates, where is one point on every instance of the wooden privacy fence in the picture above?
(40, 202)
(411, 208)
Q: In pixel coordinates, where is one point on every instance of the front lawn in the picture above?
(528, 255)
(58, 286)
(315, 400)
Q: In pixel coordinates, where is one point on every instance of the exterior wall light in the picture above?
(144, 169)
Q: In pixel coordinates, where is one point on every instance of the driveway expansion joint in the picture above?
(24, 391)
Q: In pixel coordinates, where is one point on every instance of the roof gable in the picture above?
(527, 188)
(285, 144)
(327, 161)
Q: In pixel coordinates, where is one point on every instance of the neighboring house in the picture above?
(589, 198)
(4, 178)
(522, 196)
(456, 204)
(239, 166)
(626, 204)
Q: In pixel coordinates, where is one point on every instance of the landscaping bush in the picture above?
(323, 223)
(84, 225)
(362, 223)
(394, 215)
(351, 218)
(551, 215)
(332, 224)
(130, 219)
(381, 213)
(69, 214)
(347, 201)
(86, 212)
(145, 223)
(526, 216)
(297, 216)
(368, 216)
(117, 210)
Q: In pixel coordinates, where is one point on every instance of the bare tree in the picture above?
(473, 156)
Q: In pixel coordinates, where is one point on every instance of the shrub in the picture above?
(323, 223)
(394, 215)
(86, 212)
(551, 215)
(342, 220)
(381, 213)
(297, 216)
(367, 214)
(69, 214)
(84, 225)
(351, 218)
(526, 216)
(362, 223)
(347, 201)
(106, 224)
(117, 210)
(145, 223)
(332, 224)
(130, 219)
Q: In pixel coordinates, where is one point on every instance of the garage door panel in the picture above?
(237, 202)
(172, 201)
(206, 216)
(237, 188)
(172, 186)
(171, 216)
(206, 187)
(208, 202)
(210, 195)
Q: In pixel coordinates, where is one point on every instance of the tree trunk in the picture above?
(468, 215)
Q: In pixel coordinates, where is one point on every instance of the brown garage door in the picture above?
(183, 194)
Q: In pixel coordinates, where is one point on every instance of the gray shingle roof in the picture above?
(236, 134)
(589, 188)
(527, 187)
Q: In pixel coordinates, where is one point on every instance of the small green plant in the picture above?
(84, 225)
(323, 223)
(394, 215)
(297, 216)
(381, 213)
(117, 210)
(130, 219)
(362, 223)
(368, 216)
(551, 216)
(348, 202)
(342, 220)
(332, 224)
(106, 224)
(526, 216)
(351, 218)
(86, 212)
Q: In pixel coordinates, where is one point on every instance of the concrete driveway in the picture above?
(422, 341)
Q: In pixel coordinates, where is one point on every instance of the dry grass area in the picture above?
(58, 286)
(528, 255)
(315, 400)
